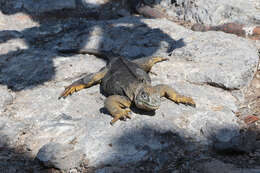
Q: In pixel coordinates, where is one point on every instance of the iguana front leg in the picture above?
(170, 93)
(85, 82)
(118, 106)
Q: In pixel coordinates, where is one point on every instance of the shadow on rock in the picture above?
(142, 111)
(148, 149)
(19, 160)
(66, 25)
(140, 149)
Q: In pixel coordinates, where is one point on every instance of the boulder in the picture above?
(60, 156)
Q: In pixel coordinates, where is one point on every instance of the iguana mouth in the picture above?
(152, 107)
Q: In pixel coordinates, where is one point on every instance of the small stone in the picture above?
(61, 156)
(243, 142)
(250, 119)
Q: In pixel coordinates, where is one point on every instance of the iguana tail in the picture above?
(107, 55)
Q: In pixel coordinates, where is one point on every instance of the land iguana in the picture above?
(125, 83)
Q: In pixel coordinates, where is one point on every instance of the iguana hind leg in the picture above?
(85, 82)
(170, 93)
(147, 63)
(118, 106)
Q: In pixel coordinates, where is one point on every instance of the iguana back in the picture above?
(123, 77)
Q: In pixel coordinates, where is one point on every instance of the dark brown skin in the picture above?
(127, 82)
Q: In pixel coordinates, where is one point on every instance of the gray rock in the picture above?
(242, 142)
(216, 75)
(13, 45)
(11, 131)
(61, 156)
(46, 10)
(216, 166)
(34, 66)
(190, 47)
(216, 132)
(114, 169)
(93, 3)
(201, 65)
(48, 5)
(5, 98)
(17, 22)
(214, 12)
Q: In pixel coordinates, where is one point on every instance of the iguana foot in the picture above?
(71, 89)
(159, 59)
(186, 100)
(85, 82)
(119, 107)
(170, 93)
(123, 115)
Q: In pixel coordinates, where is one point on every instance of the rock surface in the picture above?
(43, 11)
(216, 166)
(48, 5)
(214, 12)
(60, 156)
(5, 98)
(210, 12)
(34, 6)
(210, 67)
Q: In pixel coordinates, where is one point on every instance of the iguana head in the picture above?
(147, 98)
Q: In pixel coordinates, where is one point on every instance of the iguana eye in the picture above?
(144, 95)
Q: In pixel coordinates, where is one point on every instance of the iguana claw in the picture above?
(71, 89)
